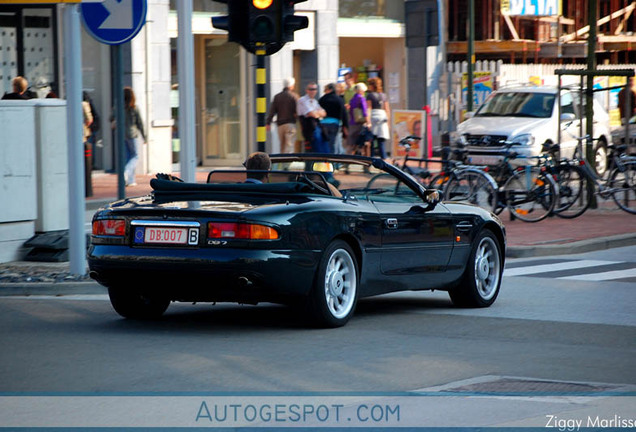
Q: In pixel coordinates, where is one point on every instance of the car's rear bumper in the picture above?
(243, 275)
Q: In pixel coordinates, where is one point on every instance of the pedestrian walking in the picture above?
(134, 129)
(380, 112)
(309, 113)
(284, 107)
(627, 108)
(88, 148)
(358, 117)
(335, 115)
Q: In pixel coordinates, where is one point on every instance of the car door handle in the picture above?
(391, 223)
(464, 226)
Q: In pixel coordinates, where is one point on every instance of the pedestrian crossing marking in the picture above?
(611, 275)
(567, 265)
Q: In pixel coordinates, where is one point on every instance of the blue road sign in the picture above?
(114, 22)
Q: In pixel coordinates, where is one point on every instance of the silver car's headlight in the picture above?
(457, 138)
(524, 139)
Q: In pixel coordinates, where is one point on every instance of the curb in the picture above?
(50, 289)
(581, 246)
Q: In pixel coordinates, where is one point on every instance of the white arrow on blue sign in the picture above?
(114, 22)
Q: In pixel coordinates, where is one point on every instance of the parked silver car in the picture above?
(528, 118)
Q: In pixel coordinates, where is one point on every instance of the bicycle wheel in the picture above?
(623, 187)
(529, 194)
(439, 181)
(574, 191)
(474, 187)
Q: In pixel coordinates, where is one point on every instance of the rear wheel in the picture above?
(335, 291)
(480, 284)
(134, 305)
(574, 191)
(623, 187)
(529, 194)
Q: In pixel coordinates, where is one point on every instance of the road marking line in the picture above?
(617, 274)
(545, 268)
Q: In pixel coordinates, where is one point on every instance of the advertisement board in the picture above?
(405, 123)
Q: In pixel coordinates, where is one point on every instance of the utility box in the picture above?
(52, 165)
(33, 172)
(18, 177)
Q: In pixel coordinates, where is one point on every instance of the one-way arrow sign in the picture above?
(114, 22)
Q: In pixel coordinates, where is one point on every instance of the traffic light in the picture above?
(292, 22)
(260, 24)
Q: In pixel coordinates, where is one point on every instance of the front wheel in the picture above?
(480, 284)
(134, 305)
(623, 187)
(335, 292)
(474, 187)
(529, 194)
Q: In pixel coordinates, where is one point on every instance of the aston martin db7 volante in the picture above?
(316, 232)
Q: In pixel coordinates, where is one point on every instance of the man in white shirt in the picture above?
(309, 113)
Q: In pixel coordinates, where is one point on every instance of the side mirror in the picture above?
(431, 196)
(469, 115)
(567, 117)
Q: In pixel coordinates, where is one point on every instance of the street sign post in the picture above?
(114, 22)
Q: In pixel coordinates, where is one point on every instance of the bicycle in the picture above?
(529, 192)
(579, 181)
(456, 181)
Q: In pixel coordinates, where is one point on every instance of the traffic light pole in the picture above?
(261, 101)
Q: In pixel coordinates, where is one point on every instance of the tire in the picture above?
(624, 183)
(575, 191)
(134, 305)
(600, 158)
(481, 281)
(529, 194)
(334, 295)
(473, 187)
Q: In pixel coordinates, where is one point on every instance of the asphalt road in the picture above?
(562, 329)
(542, 326)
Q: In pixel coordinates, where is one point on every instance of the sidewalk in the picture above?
(598, 229)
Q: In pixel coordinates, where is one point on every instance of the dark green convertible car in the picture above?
(319, 232)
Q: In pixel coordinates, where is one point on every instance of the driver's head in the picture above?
(258, 161)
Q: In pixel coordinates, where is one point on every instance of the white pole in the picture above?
(75, 135)
(185, 66)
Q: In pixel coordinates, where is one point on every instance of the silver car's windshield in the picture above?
(516, 104)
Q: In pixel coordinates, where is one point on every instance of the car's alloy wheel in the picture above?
(335, 291)
(131, 304)
(482, 278)
(600, 158)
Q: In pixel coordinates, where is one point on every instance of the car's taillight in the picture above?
(109, 227)
(245, 231)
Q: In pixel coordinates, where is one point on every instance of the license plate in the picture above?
(166, 235)
(485, 160)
